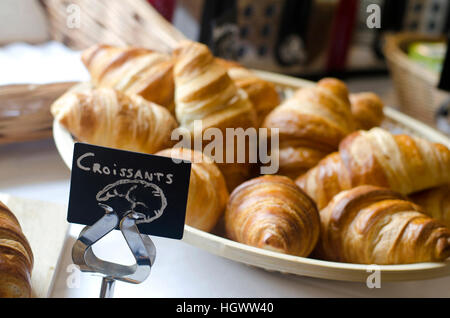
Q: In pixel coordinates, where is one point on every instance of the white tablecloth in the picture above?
(35, 170)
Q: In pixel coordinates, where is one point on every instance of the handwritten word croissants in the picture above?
(372, 225)
(401, 163)
(16, 257)
(107, 117)
(271, 212)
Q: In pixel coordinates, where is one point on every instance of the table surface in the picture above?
(35, 170)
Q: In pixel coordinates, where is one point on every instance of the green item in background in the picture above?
(429, 54)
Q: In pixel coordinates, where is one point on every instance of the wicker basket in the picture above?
(415, 85)
(25, 109)
(82, 23)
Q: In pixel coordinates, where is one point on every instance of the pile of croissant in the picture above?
(345, 188)
(16, 257)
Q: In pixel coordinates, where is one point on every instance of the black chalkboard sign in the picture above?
(155, 188)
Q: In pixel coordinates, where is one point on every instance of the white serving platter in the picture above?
(273, 261)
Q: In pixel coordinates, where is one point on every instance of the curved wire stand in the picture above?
(141, 246)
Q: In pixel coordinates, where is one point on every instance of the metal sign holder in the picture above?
(141, 246)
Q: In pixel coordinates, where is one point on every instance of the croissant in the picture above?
(435, 202)
(402, 163)
(373, 225)
(271, 212)
(132, 70)
(16, 257)
(204, 91)
(109, 118)
(311, 124)
(261, 93)
(367, 109)
(207, 189)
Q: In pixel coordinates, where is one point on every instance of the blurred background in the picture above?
(394, 48)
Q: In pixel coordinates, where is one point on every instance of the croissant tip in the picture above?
(272, 242)
(88, 53)
(443, 248)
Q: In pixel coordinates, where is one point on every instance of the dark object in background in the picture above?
(443, 113)
(218, 28)
(308, 37)
(313, 37)
(444, 83)
(292, 33)
(165, 7)
(264, 34)
(443, 117)
(429, 17)
(342, 31)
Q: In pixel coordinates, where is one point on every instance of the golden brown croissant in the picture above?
(132, 70)
(109, 118)
(373, 225)
(311, 124)
(435, 202)
(204, 91)
(208, 193)
(261, 93)
(271, 212)
(16, 257)
(402, 163)
(367, 108)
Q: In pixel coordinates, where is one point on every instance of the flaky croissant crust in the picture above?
(373, 225)
(311, 124)
(271, 212)
(205, 91)
(109, 118)
(208, 193)
(262, 94)
(132, 70)
(16, 257)
(435, 202)
(400, 162)
(367, 109)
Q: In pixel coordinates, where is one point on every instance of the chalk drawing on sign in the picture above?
(141, 196)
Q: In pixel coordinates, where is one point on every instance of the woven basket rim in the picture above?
(395, 53)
